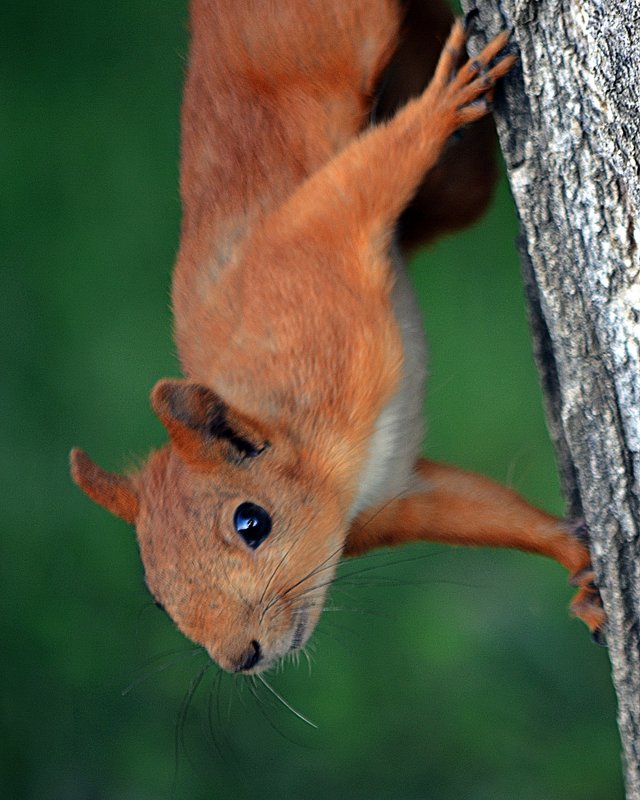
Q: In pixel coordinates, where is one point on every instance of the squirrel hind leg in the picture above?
(457, 507)
(459, 188)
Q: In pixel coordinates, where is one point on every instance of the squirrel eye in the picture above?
(253, 523)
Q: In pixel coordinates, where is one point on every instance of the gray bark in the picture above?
(568, 118)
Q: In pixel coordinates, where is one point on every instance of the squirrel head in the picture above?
(238, 535)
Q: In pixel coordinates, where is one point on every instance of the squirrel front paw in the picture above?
(466, 90)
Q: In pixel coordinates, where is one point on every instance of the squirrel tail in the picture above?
(458, 189)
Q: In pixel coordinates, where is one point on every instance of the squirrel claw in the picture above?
(580, 530)
(587, 604)
(583, 577)
(599, 637)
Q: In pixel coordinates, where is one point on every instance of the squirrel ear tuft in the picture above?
(113, 492)
(202, 426)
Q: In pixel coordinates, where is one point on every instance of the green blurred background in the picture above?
(453, 674)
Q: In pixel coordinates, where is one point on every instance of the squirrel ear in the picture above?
(202, 426)
(113, 492)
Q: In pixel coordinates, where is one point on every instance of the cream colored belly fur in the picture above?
(397, 437)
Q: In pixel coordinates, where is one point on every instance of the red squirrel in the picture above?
(317, 148)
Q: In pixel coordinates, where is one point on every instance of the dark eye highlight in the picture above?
(253, 523)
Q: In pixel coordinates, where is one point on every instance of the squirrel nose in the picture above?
(249, 658)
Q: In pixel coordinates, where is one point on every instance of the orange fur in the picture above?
(458, 507)
(293, 327)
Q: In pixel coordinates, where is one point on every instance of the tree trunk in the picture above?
(568, 118)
